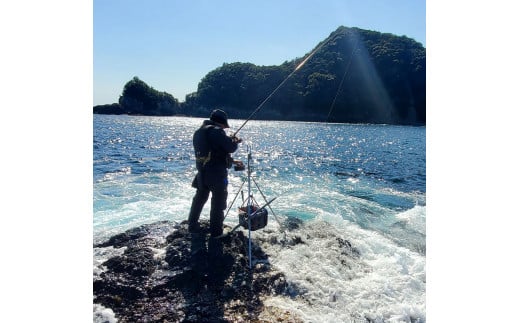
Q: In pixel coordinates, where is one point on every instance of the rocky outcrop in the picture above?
(183, 277)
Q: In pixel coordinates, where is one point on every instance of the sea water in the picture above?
(363, 183)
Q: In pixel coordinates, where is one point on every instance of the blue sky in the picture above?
(173, 44)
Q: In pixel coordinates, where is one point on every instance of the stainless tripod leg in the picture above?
(239, 190)
(265, 199)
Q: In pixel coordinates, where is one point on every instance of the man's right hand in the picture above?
(239, 165)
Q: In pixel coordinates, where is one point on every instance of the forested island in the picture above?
(355, 76)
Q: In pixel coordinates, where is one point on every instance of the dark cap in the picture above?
(220, 117)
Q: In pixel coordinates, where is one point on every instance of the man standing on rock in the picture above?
(213, 150)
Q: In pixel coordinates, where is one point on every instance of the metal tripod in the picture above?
(250, 202)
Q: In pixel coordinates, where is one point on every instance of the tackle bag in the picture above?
(258, 217)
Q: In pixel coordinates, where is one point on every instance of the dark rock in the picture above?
(131, 235)
(194, 279)
(122, 239)
(347, 248)
(135, 261)
(292, 223)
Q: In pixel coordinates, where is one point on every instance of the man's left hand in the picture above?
(236, 139)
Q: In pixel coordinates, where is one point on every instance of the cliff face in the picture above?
(162, 273)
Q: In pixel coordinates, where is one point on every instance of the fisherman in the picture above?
(213, 150)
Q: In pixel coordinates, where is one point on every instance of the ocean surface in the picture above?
(363, 183)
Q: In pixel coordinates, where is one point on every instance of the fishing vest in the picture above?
(206, 155)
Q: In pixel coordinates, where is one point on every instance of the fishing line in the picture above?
(279, 86)
(341, 83)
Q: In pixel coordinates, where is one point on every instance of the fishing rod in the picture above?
(342, 79)
(279, 86)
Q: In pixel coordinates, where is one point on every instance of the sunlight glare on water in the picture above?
(364, 184)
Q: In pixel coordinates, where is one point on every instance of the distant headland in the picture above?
(355, 76)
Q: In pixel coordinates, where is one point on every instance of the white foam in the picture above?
(415, 218)
(385, 282)
(103, 254)
(103, 314)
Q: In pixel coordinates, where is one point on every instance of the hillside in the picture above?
(355, 76)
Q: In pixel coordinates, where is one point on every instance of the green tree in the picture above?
(140, 99)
